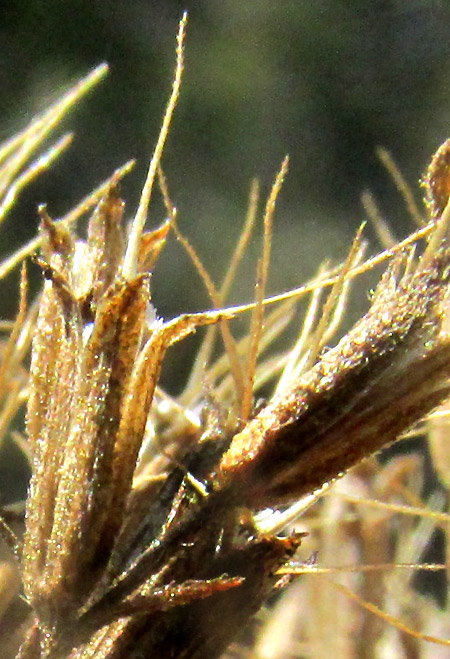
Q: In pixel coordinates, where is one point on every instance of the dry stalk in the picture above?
(142, 537)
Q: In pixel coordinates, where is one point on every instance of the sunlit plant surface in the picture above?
(161, 526)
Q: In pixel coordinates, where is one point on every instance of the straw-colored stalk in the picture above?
(143, 534)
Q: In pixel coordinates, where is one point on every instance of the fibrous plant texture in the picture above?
(153, 525)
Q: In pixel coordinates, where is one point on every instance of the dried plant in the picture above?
(144, 535)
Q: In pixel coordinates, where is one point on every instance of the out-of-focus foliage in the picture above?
(325, 81)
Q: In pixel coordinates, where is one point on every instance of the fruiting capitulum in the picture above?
(162, 556)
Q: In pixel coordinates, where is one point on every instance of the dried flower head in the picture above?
(141, 535)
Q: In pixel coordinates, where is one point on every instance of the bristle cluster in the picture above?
(144, 535)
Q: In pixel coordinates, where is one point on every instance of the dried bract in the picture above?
(382, 377)
(129, 555)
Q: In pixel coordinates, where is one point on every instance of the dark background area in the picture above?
(325, 81)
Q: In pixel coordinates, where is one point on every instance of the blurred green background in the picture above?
(324, 81)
